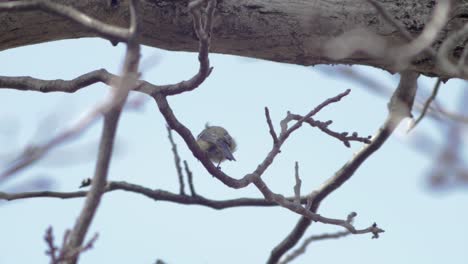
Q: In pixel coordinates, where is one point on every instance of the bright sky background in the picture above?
(422, 226)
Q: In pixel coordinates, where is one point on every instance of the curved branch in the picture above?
(26, 83)
(189, 139)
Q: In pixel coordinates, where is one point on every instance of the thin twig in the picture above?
(343, 136)
(270, 126)
(189, 179)
(297, 186)
(428, 102)
(176, 161)
(59, 255)
(297, 208)
(51, 248)
(302, 249)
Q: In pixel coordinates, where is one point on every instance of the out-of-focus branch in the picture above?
(111, 112)
(108, 31)
(425, 39)
(98, 184)
(58, 255)
(449, 168)
(427, 103)
(402, 98)
(442, 57)
(302, 249)
(34, 153)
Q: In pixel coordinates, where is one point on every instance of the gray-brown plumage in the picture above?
(217, 143)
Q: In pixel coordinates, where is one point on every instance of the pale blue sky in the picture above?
(390, 188)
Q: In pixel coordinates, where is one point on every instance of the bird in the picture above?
(216, 142)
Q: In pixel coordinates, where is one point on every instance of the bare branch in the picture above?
(34, 153)
(403, 94)
(203, 31)
(156, 195)
(189, 179)
(176, 161)
(302, 249)
(111, 118)
(285, 133)
(427, 103)
(343, 136)
(59, 255)
(25, 83)
(297, 187)
(107, 31)
(52, 249)
(74, 253)
(98, 184)
(281, 200)
(189, 139)
(270, 126)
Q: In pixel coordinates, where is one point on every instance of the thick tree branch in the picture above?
(105, 30)
(294, 32)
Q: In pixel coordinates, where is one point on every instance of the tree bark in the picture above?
(293, 31)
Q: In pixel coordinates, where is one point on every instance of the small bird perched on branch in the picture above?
(217, 143)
